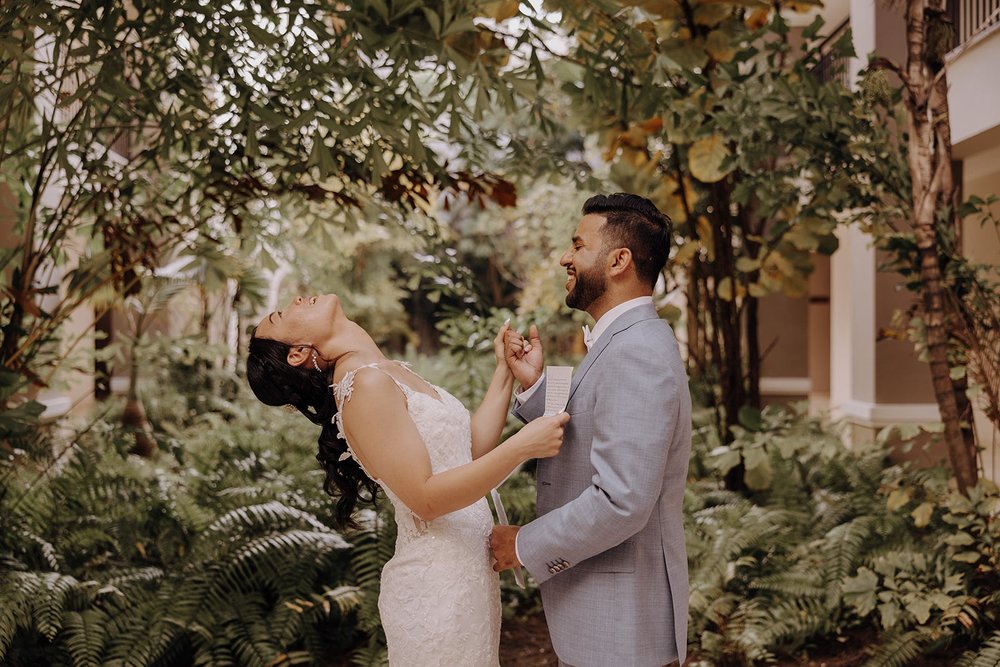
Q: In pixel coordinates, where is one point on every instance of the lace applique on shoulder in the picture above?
(342, 392)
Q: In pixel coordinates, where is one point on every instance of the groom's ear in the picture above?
(620, 261)
(298, 355)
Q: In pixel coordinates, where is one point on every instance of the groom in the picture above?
(607, 547)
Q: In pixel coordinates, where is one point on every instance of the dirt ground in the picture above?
(524, 642)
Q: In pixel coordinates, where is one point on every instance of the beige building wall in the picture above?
(900, 376)
(874, 379)
(818, 367)
(980, 156)
(784, 342)
(975, 129)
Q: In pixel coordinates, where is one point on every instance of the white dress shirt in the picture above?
(590, 336)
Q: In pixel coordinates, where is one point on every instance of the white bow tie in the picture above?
(588, 340)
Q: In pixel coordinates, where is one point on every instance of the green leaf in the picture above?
(967, 556)
(889, 612)
(750, 417)
(320, 157)
(433, 20)
(921, 610)
(723, 459)
(960, 539)
(759, 474)
(859, 591)
(21, 418)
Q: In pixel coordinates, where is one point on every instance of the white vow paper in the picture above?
(558, 380)
(502, 519)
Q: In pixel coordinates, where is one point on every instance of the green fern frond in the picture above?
(144, 644)
(373, 655)
(794, 622)
(898, 650)
(746, 631)
(84, 634)
(50, 605)
(270, 517)
(17, 590)
(29, 542)
(266, 558)
(344, 599)
(988, 654)
(792, 584)
(143, 576)
(845, 545)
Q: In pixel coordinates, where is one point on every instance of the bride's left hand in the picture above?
(499, 346)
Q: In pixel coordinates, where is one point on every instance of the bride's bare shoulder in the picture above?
(370, 384)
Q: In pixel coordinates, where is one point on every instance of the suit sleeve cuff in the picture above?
(522, 396)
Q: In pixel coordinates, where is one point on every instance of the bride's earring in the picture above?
(316, 363)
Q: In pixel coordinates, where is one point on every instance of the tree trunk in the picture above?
(932, 189)
(753, 352)
(134, 416)
(102, 369)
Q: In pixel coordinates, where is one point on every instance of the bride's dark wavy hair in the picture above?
(274, 381)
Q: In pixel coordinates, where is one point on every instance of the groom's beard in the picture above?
(590, 285)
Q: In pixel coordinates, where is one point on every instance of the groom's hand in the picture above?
(525, 358)
(502, 546)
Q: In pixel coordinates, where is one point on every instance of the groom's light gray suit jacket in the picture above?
(608, 545)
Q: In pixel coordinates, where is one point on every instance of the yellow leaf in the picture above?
(711, 15)
(922, 514)
(500, 10)
(796, 286)
(897, 499)
(778, 263)
(719, 45)
(705, 159)
(803, 6)
(667, 200)
(758, 18)
(667, 9)
(686, 252)
(705, 234)
(725, 289)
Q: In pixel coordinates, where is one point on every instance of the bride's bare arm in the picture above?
(384, 437)
(490, 417)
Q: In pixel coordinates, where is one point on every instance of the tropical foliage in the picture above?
(718, 114)
(835, 543)
(423, 160)
(131, 133)
(228, 559)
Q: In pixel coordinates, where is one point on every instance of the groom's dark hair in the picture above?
(635, 223)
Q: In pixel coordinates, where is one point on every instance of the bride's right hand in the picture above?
(543, 437)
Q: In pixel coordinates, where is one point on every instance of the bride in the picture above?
(384, 425)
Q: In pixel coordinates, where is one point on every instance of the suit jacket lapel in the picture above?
(627, 319)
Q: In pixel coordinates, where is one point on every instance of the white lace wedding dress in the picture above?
(440, 599)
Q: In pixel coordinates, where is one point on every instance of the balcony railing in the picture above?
(832, 66)
(971, 17)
